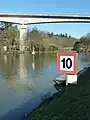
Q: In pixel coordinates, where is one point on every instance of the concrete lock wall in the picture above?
(71, 79)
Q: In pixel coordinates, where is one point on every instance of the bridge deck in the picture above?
(72, 16)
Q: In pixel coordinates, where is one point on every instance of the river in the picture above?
(26, 80)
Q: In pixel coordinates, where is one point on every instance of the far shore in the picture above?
(19, 52)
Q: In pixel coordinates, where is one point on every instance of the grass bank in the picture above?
(71, 104)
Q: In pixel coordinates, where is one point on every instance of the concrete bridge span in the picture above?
(42, 18)
(25, 19)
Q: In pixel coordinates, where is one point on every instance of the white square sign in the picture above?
(67, 62)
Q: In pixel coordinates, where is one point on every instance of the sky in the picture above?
(81, 7)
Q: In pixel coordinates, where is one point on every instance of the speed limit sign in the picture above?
(66, 62)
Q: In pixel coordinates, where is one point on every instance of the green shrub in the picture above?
(53, 48)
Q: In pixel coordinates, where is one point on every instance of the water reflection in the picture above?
(9, 65)
(5, 59)
(15, 68)
(33, 62)
(86, 58)
(23, 77)
(21, 70)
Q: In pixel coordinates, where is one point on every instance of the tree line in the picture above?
(83, 44)
(9, 36)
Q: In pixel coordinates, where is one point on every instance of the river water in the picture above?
(26, 80)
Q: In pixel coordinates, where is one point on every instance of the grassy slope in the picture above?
(60, 42)
(73, 104)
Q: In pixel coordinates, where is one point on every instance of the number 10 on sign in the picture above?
(66, 62)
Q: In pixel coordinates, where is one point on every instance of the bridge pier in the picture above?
(23, 36)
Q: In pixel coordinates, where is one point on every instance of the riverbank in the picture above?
(43, 52)
(71, 103)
